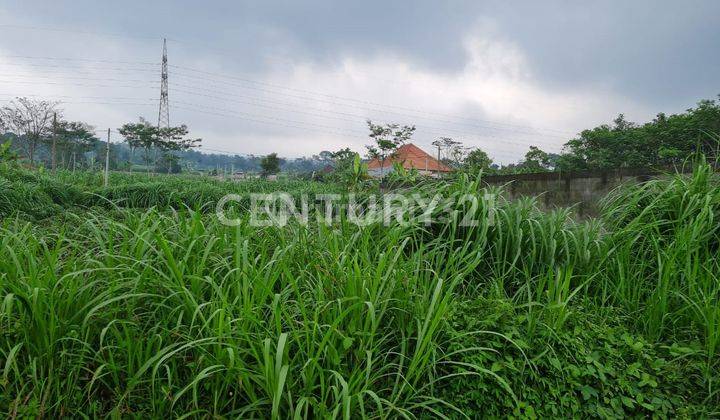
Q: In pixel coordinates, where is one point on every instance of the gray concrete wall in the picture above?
(583, 190)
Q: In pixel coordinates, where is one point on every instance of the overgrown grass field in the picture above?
(134, 301)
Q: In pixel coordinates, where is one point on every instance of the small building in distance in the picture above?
(411, 157)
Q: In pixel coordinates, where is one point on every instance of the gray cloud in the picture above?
(461, 67)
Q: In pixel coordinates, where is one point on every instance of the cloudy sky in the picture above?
(298, 77)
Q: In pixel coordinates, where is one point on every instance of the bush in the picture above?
(33, 194)
(591, 367)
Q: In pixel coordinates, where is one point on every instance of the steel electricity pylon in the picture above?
(164, 111)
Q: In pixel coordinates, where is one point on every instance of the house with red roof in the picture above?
(410, 157)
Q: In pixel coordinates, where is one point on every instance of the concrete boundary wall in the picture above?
(584, 190)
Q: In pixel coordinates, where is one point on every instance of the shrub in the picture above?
(592, 367)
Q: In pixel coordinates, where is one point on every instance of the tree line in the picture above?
(665, 141)
(32, 124)
(39, 132)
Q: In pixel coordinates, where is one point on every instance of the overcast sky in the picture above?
(298, 77)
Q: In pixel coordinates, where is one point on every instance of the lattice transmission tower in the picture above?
(164, 111)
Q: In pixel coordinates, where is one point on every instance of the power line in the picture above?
(378, 110)
(335, 98)
(101, 79)
(94, 33)
(246, 81)
(229, 152)
(284, 122)
(109, 103)
(74, 31)
(62, 74)
(302, 126)
(76, 66)
(35, 57)
(442, 130)
(230, 113)
(438, 131)
(72, 84)
(355, 100)
(84, 97)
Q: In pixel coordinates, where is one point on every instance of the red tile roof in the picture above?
(412, 156)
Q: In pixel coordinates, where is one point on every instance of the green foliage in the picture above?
(667, 140)
(594, 367)
(131, 300)
(30, 120)
(75, 137)
(169, 163)
(400, 175)
(166, 140)
(536, 160)
(144, 313)
(6, 154)
(454, 151)
(663, 263)
(342, 156)
(349, 170)
(359, 175)
(270, 164)
(477, 160)
(387, 139)
(38, 195)
(33, 194)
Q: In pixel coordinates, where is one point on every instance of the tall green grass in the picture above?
(117, 306)
(662, 260)
(160, 313)
(42, 195)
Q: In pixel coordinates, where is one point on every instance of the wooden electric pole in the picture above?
(54, 142)
(438, 170)
(107, 159)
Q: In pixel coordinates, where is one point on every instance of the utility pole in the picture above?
(438, 170)
(440, 143)
(107, 159)
(54, 142)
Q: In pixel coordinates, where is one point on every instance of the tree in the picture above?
(149, 137)
(31, 120)
(477, 160)
(666, 140)
(456, 155)
(171, 140)
(387, 138)
(536, 160)
(343, 159)
(454, 152)
(141, 135)
(270, 164)
(325, 156)
(73, 138)
(169, 163)
(343, 155)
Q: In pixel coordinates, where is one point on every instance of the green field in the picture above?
(134, 301)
